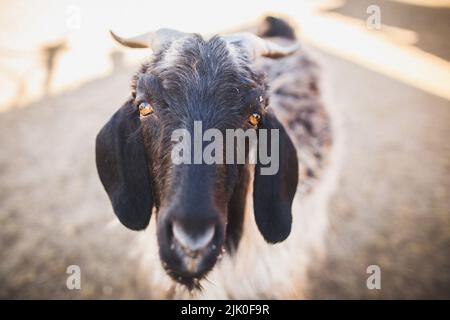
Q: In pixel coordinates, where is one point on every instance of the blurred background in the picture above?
(62, 77)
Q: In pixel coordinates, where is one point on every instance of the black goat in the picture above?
(200, 208)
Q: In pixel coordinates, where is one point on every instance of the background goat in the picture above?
(221, 82)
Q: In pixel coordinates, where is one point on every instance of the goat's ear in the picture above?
(273, 194)
(123, 170)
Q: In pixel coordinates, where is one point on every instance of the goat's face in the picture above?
(199, 206)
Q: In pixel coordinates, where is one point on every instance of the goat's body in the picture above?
(258, 269)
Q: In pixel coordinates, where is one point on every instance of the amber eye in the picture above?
(145, 109)
(254, 118)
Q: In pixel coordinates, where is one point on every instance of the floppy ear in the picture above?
(273, 194)
(123, 170)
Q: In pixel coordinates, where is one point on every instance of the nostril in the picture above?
(192, 242)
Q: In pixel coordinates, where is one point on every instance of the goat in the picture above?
(205, 231)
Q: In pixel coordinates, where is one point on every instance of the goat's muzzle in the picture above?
(189, 244)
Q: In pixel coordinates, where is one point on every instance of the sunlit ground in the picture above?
(81, 30)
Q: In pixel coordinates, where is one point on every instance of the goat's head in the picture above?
(199, 207)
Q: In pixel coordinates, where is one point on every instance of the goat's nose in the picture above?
(193, 241)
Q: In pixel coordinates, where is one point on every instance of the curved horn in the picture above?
(257, 46)
(154, 40)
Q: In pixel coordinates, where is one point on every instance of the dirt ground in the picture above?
(392, 207)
